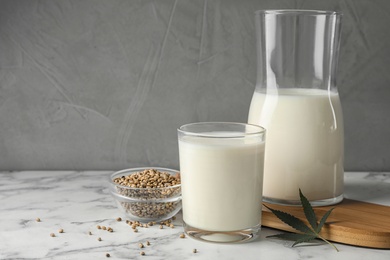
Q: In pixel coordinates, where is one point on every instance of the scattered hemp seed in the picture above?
(194, 251)
(90, 233)
(142, 253)
(104, 228)
(99, 239)
(109, 229)
(171, 226)
(140, 245)
(38, 220)
(98, 227)
(182, 235)
(148, 243)
(135, 230)
(107, 255)
(61, 231)
(119, 219)
(52, 235)
(161, 227)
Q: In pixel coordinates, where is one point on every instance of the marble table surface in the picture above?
(79, 201)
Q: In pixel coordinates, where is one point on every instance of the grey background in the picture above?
(103, 85)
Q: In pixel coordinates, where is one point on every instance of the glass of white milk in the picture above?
(297, 101)
(221, 166)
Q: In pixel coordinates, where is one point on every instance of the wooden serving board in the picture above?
(351, 222)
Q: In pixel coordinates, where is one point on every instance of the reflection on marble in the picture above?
(79, 201)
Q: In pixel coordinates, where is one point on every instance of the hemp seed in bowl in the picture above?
(147, 194)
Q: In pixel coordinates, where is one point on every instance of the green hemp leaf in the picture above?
(307, 233)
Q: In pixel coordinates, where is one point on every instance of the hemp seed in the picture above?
(52, 235)
(155, 185)
(38, 220)
(142, 253)
(61, 231)
(182, 235)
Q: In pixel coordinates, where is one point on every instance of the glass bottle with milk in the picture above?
(297, 101)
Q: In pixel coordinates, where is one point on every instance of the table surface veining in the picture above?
(79, 201)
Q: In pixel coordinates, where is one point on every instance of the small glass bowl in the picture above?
(146, 204)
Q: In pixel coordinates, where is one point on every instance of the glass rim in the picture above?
(307, 12)
(259, 130)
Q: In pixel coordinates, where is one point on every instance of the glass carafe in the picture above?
(297, 101)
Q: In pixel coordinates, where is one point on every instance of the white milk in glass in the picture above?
(304, 143)
(222, 180)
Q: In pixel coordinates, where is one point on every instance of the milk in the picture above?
(221, 181)
(304, 143)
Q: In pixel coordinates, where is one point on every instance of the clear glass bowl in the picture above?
(146, 204)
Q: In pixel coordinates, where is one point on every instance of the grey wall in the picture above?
(96, 84)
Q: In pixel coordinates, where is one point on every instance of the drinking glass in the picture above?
(221, 167)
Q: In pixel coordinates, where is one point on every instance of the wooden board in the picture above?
(351, 222)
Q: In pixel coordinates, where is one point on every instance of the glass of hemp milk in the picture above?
(221, 166)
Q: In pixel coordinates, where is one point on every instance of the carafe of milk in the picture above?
(297, 101)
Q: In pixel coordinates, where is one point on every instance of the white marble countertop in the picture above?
(79, 201)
